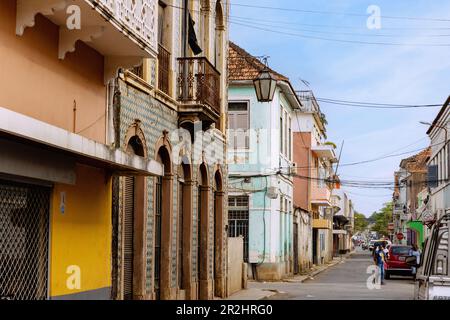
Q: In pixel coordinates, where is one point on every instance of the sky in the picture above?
(415, 72)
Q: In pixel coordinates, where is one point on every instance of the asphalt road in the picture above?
(344, 281)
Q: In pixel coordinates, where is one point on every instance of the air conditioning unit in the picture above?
(293, 168)
(272, 192)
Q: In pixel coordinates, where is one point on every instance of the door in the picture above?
(295, 233)
(24, 241)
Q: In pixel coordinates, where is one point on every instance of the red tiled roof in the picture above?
(418, 162)
(244, 66)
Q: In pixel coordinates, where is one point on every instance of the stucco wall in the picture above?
(36, 83)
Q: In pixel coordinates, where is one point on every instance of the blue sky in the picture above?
(359, 72)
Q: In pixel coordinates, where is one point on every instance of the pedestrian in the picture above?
(386, 251)
(416, 253)
(380, 260)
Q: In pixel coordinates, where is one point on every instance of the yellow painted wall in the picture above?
(82, 235)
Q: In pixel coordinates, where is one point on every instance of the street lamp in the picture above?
(265, 84)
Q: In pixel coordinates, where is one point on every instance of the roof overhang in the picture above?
(439, 115)
(285, 86)
(28, 130)
(290, 94)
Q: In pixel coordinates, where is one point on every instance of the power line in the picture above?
(375, 105)
(341, 40)
(337, 13)
(333, 26)
(341, 33)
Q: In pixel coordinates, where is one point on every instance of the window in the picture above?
(285, 133)
(290, 139)
(238, 125)
(281, 129)
(238, 214)
(161, 20)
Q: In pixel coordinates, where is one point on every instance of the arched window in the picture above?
(218, 231)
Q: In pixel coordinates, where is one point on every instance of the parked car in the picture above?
(396, 263)
(433, 276)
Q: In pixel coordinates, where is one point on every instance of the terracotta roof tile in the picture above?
(244, 66)
(418, 162)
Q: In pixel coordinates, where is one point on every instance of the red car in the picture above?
(395, 262)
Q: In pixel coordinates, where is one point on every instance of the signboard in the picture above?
(400, 236)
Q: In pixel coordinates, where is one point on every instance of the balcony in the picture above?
(310, 105)
(319, 222)
(198, 90)
(123, 31)
(324, 152)
(320, 195)
(163, 69)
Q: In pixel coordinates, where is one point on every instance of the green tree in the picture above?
(382, 218)
(361, 222)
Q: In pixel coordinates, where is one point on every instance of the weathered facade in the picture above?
(170, 232)
(260, 163)
(314, 181)
(56, 161)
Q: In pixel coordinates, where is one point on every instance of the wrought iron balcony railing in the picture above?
(198, 83)
(163, 69)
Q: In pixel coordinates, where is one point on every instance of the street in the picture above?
(345, 281)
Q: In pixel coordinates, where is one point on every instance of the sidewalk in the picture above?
(253, 292)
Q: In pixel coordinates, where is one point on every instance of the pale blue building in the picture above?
(260, 167)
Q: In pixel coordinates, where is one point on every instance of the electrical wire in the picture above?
(341, 40)
(332, 26)
(336, 13)
(352, 34)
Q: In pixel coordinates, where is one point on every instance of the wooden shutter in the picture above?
(238, 117)
(128, 226)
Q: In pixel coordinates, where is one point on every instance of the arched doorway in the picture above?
(202, 233)
(163, 217)
(133, 224)
(218, 236)
(184, 227)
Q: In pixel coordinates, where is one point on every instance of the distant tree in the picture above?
(361, 222)
(382, 218)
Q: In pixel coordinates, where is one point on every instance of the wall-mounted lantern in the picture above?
(265, 84)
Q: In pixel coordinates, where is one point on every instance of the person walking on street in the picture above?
(379, 261)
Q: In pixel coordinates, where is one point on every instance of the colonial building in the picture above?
(439, 164)
(343, 223)
(260, 161)
(112, 165)
(57, 159)
(314, 181)
(169, 232)
(413, 173)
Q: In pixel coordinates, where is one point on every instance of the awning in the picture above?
(18, 128)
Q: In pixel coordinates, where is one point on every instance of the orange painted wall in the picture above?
(302, 152)
(36, 83)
